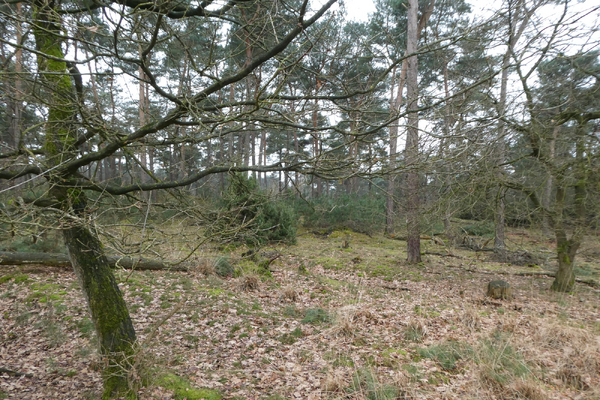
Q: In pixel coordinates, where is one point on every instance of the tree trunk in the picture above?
(500, 150)
(546, 223)
(394, 108)
(565, 276)
(391, 184)
(412, 140)
(114, 329)
(567, 249)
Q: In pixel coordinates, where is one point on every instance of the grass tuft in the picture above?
(415, 331)
(249, 283)
(366, 382)
(289, 293)
(447, 354)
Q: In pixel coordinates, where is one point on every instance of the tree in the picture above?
(76, 138)
(395, 37)
(565, 100)
(412, 139)
(519, 15)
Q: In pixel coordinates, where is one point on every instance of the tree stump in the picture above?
(346, 242)
(499, 290)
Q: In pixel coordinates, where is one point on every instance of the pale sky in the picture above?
(359, 10)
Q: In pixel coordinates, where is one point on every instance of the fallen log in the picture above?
(589, 282)
(62, 260)
(435, 253)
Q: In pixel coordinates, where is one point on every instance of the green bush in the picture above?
(223, 268)
(51, 242)
(365, 213)
(479, 229)
(250, 216)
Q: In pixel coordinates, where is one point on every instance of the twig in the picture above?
(435, 253)
(15, 373)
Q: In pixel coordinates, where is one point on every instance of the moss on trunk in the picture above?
(565, 276)
(107, 307)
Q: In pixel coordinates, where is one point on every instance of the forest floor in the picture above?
(330, 323)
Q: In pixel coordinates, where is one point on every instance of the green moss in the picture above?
(52, 297)
(184, 390)
(329, 262)
(340, 234)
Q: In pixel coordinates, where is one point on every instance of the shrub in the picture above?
(250, 216)
(223, 268)
(479, 229)
(359, 213)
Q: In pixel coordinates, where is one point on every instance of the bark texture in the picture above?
(412, 140)
(107, 307)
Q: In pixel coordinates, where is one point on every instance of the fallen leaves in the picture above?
(249, 341)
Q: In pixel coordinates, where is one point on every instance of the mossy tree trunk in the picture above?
(566, 248)
(565, 276)
(106, 304)
(107, 307)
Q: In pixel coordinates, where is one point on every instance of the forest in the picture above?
(267, 199)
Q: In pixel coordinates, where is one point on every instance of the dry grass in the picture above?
(470, 319)
(350, 319)
(335, 381)
(415, 331)
(249, 283)
(206, 268)
(528, 389)
(289, 293)
(572, 353)
(553, 334)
